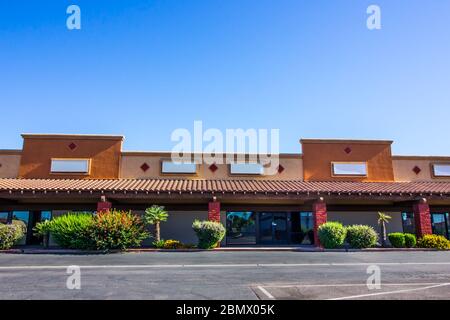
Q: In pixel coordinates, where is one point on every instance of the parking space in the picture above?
(354, 291)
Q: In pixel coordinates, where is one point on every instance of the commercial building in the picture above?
(340, 180)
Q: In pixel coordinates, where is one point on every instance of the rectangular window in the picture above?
(4, 217)
(247, 168)
(74, 166)
(178, 167)
(357, 169)
(441, 170)
(408, 222)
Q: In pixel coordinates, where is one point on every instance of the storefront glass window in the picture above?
(408, 222)
(241, 228)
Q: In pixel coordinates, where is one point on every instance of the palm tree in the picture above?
(382, 220)
(154, 216)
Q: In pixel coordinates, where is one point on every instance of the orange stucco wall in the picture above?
(319, 154)
(38, 150)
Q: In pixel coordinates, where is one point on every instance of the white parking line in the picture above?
(390, 292)
(349, 285)
(428, 285)
(242, 265)
(267, 293)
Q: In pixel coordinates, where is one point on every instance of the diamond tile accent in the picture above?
(72, 146)
(348, 150)
(145, 167)
(280, 168)
(416, 170)
(213, 167)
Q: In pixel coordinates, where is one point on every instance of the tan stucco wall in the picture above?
(403, 170)
(368, 218)
(179, 226)
(9, 165)
(131, 169)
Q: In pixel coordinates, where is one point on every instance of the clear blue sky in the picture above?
(310, 68)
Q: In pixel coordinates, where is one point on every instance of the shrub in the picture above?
(42, 228)
(159, 244)
(117, 230)
(433, 241)
(397, 239)
(209, 233)
(361, 236)
(103, 231)
(410, 240)
(173, 244)
(11, 233)
(331, 234)
(72, 230)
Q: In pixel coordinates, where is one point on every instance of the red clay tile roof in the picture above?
(226, 186)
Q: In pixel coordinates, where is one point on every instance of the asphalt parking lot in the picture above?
(228, 275)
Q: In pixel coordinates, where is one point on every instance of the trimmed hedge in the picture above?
(410, 240)
(332, 234)
(209, 233)
(433, 241)
(397, 239)
(361, 236)
(402, 240)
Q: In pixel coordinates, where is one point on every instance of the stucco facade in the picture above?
(340, 180)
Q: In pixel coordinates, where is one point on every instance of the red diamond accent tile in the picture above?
(416, 170)
(213, 167)
(280, 168)
(145, 167)
(348, 150)
(72, 146)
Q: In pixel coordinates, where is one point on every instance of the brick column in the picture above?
(103, 205)
(214, 211)
(422, 218)
(319, 210)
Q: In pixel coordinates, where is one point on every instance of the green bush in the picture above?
(103, 231)
(361, 236)
(42, 228)
(433, 241)
(117, 230)
(410, 240)
(331, 234)
(209, 233)
(159, 244)
(11, 233)
(72, 230)
(397, 239)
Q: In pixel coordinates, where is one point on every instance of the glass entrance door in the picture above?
(273, 227)
(440, 224)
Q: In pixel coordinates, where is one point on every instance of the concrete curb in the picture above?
(223, 249)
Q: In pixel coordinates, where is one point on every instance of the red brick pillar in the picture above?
(214, 211)
(422, 218)
(319, 209)
(103, 205)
